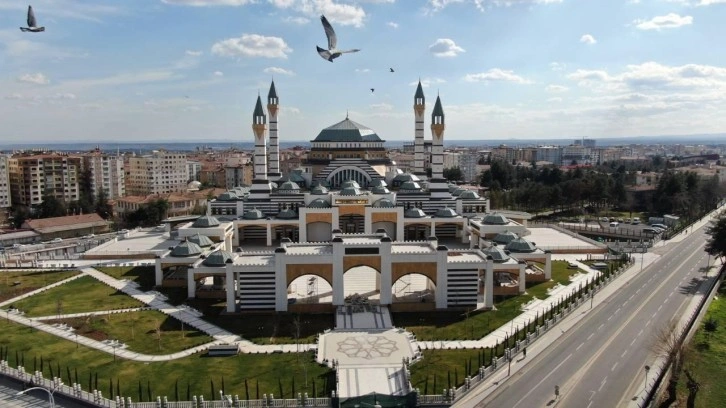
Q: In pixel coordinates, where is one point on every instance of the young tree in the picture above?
(716, 243)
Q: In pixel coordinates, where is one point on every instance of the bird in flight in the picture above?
(32, 24)
(373, 90)
(332, 52)
(391, 69)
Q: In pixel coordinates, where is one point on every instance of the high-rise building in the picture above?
(161, 172)
(194, 169)
(107, 173)
(36, 175)
(5, 200)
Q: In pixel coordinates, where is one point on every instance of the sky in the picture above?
(191, 70)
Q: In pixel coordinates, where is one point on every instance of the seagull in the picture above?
(332, 52)
(373, 90)
(391, 69)
(32, 25)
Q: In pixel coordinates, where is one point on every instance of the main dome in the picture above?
(347, 131)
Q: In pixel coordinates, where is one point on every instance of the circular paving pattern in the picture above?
(368, 347)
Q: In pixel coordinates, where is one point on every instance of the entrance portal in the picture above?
(364, 281)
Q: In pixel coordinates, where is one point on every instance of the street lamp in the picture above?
(51, 401)
(647, 368)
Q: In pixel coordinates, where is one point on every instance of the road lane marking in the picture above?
(601, 325)
(590, 404)
(578, 347)
(632, 342)
(542, 380)
(624, 352)
(640, 332)
(613, 367)
(648, 323)
(590, 336)
(604, 380)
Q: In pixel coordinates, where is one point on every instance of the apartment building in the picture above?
(35, 175)
(5, 199)
(107, 174)
(160, 172)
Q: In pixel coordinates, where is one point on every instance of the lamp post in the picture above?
(51, 401)
(647, 368)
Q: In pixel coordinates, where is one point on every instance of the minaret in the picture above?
(437, 184)
(419, 107)
(260, 185)
(274, 168)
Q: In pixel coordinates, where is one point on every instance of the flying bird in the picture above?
(332, 52)
(32, 24)
(373, 90)
(391, 69)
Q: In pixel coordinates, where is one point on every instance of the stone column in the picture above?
(386, 278)
(522, 277)
(229, 288)
(548, 265)
(158, 272)
(489, 284)
(191, 284)
(338, 284)
(442, 283)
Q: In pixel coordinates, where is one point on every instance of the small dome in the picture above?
(217, 258)
(457, 191)
(296, 176)
(349, 183)
(253, 214)
(404, 177)
(469, 195)
(520, 245)
(446, 212)
(377, 183)
(495, 219)
(318, 203)
(205, 221)
(411, 185)
(289, 186)
(383, 203)
(497, 254)
(320, 182)
(380, 190)
(194, 185)
(287, 214)
(414, 213)
(227, 196)
(505, 237)
(186, 249)
(452, 187)
(319, 190)
(350, 191)
(201, 240)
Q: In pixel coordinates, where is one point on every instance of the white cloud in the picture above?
(278, 70)
(192, 53)
(218, 73)
(65, 9)
(252, 45)
(392, 24)
(296, 20)
(556, 88)
(362, 70)
(427, 82)
(557, 66)
(671, 20)
(588, 39)
(122, 79)
(207, 3)
(497, 74)
(554, 99)
(482, 5)
(37, 78)
(381, 106)
(343, 14)
(445, 47)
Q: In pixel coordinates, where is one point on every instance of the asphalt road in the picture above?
(34, 399)
(600, 361)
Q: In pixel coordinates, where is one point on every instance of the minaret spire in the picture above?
(437, 185)
(419, 107)
(260, 185)
(272, 108)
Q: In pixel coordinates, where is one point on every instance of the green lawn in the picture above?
(84, 294)
(706, 358)
(452, 325)
(266, 372)
(143, 275)
(139, 331)
(441, 369)
(15, 283)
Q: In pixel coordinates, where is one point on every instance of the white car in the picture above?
(56, 240)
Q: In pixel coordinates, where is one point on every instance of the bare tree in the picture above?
(669, 344)
(157, 329)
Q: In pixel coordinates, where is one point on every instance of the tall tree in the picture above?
(103, 208)
(51, 207)
(716, 243)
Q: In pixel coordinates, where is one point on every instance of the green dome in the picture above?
(347, 131)
(404, 177)
(287, 214)
(201, 240)
(410, 186)
(497, 254)
(350, 191)
(457, 192)
(446, 212)
(289, 186)
(520, 245)
(495, 219)
(227, 196)
(469, 195)
(186, 249)
(383, 203)
(377, 183)
(205, 221)
(319, 203)
(350, 183)
(320, 190)
(380, 190)
(505, 237)
(253, 214)
(217, 258)
(414, 213)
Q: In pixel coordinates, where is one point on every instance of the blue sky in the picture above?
(190, 70)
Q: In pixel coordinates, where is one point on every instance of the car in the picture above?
(89, 236)
(572, 265)
(123, 231)
(18, 246)
(661, 226)
(604, 219)
(636, 221)
(56, 240)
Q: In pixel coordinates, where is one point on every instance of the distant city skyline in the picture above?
(190, 70)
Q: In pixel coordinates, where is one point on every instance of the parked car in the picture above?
(56, 240)
(636, 221)
(123, 231)
(89, 236)
(661, 226)
(572, 265)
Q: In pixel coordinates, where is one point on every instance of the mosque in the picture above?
(351, 207)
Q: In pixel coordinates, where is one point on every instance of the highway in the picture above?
(600, 362)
